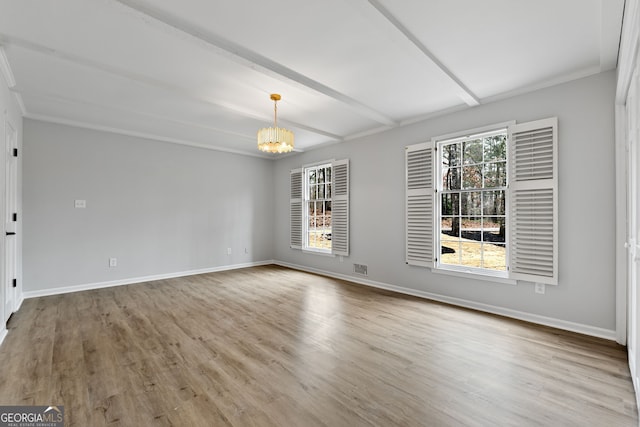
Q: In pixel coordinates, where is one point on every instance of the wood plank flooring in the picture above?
(269, 346)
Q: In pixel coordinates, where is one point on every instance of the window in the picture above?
(317, 200)
(485, 202)
(319, 208)
(471, 205)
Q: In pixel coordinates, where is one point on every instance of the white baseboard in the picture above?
(634, 374)
(130, 281)
(3, 334)
(507, 312)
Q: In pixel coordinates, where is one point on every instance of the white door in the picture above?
(633, 229)
(11, 180)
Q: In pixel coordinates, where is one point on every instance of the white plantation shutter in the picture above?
(295, 209)
(533, 194)
(420, 204)
(340, 208)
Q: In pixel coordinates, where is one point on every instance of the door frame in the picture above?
(627, 302)
(10, 244)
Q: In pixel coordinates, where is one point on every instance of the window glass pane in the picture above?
(320, 191)
(493, 203)
(495, 174)
(472, 152)
(471, 203)
(321, 175)
(328, 174)
(313, 239)
(323, 223)
(313, 192)
(494, 256)
(312, 176)
(312, 216)
(450, 253)
(471, 228)
(451, 155)
(471, 254)
(495, 148)
(328, 189)
(451, 178)
(493, 230)
(450, 204)
(450, 228)
(472, 176)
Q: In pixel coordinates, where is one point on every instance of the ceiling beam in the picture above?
(463, 91)
(145, 80)
(254, 60)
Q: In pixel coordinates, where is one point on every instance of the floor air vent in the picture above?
(360, 269)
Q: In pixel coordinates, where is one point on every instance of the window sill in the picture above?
(474, 275)
(315, 252)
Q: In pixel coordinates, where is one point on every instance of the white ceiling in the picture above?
(200, 72)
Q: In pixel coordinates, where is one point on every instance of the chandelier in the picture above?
(275, 139)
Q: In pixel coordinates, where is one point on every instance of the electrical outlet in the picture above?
(246, 251)
(80, 204)
(228, 251)
(540, 288)
(113, 262)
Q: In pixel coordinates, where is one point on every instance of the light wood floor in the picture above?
(269, 346)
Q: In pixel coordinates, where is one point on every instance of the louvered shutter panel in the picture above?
(295, 209)
(420, 204)
(533, 193)
(340, 208)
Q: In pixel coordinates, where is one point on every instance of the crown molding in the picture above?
(120, 131)
(628, 53)
(6, 69)
(612, 12)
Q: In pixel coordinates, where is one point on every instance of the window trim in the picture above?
(476, 276)
(532, 197)
(340, 218)
(459, 136)
(473, 132)
(305, 209)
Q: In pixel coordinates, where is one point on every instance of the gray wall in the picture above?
(163, 208)
(158, 208)
(586, 291)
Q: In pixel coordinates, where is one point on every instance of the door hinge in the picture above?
(15, 217)
(15, 283)
(15, 152)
